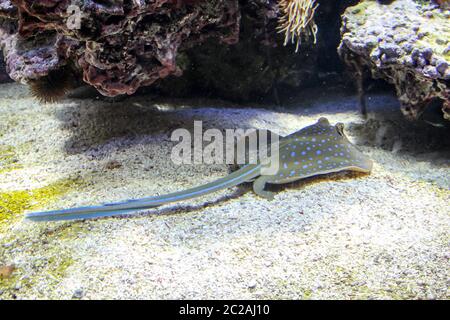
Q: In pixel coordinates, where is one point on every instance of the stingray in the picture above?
(312, 151)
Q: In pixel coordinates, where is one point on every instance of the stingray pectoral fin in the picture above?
(360, 162)
(359, 165)
(358, 169)
(259, 186)
(363, 165)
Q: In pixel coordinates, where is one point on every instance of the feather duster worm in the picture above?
(53, 87)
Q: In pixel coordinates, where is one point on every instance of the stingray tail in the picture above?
(131, 206)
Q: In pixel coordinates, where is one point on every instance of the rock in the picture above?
(413, 61)
(421, 62)
(6, 271)
(113, 164)
(78, 294)
(116, 48)
(220, 48)
(441, 66)
(8, 244)
(391, 50)
(447, 75)
(431, 72)
(427, 53)
(252, 284)
(446, 50)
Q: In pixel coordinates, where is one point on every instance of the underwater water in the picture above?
(377, 234)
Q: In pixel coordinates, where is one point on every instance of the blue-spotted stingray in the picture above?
(314, 150)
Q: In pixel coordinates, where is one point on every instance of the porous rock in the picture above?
(405, 43)
(118, 46)
(222, 49)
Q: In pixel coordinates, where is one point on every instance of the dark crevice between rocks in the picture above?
(4, 78)
(259, 68)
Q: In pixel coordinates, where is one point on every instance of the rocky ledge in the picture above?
(112, 43)
(404, 42)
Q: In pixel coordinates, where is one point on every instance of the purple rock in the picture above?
(441, 66)
(408, 47)
(427, 53)
(391, 50)
(431, 72)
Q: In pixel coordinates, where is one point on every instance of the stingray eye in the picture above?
(340, 128)
(323, 121)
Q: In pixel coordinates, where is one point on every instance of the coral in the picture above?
(297, 20)
(405, 43)
(125, 45)
(118, 46)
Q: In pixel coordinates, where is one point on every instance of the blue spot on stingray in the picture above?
(327, 158)
(308, 148)
(285, 166)
(305, 166)
(296, 163)
(303, 153)
(318, 152)
(313, 139)
(292, 173)
(320, 161)
(293, 154)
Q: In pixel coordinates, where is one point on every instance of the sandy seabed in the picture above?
(385, 235)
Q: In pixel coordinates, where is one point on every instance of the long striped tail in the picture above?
(131, 206)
